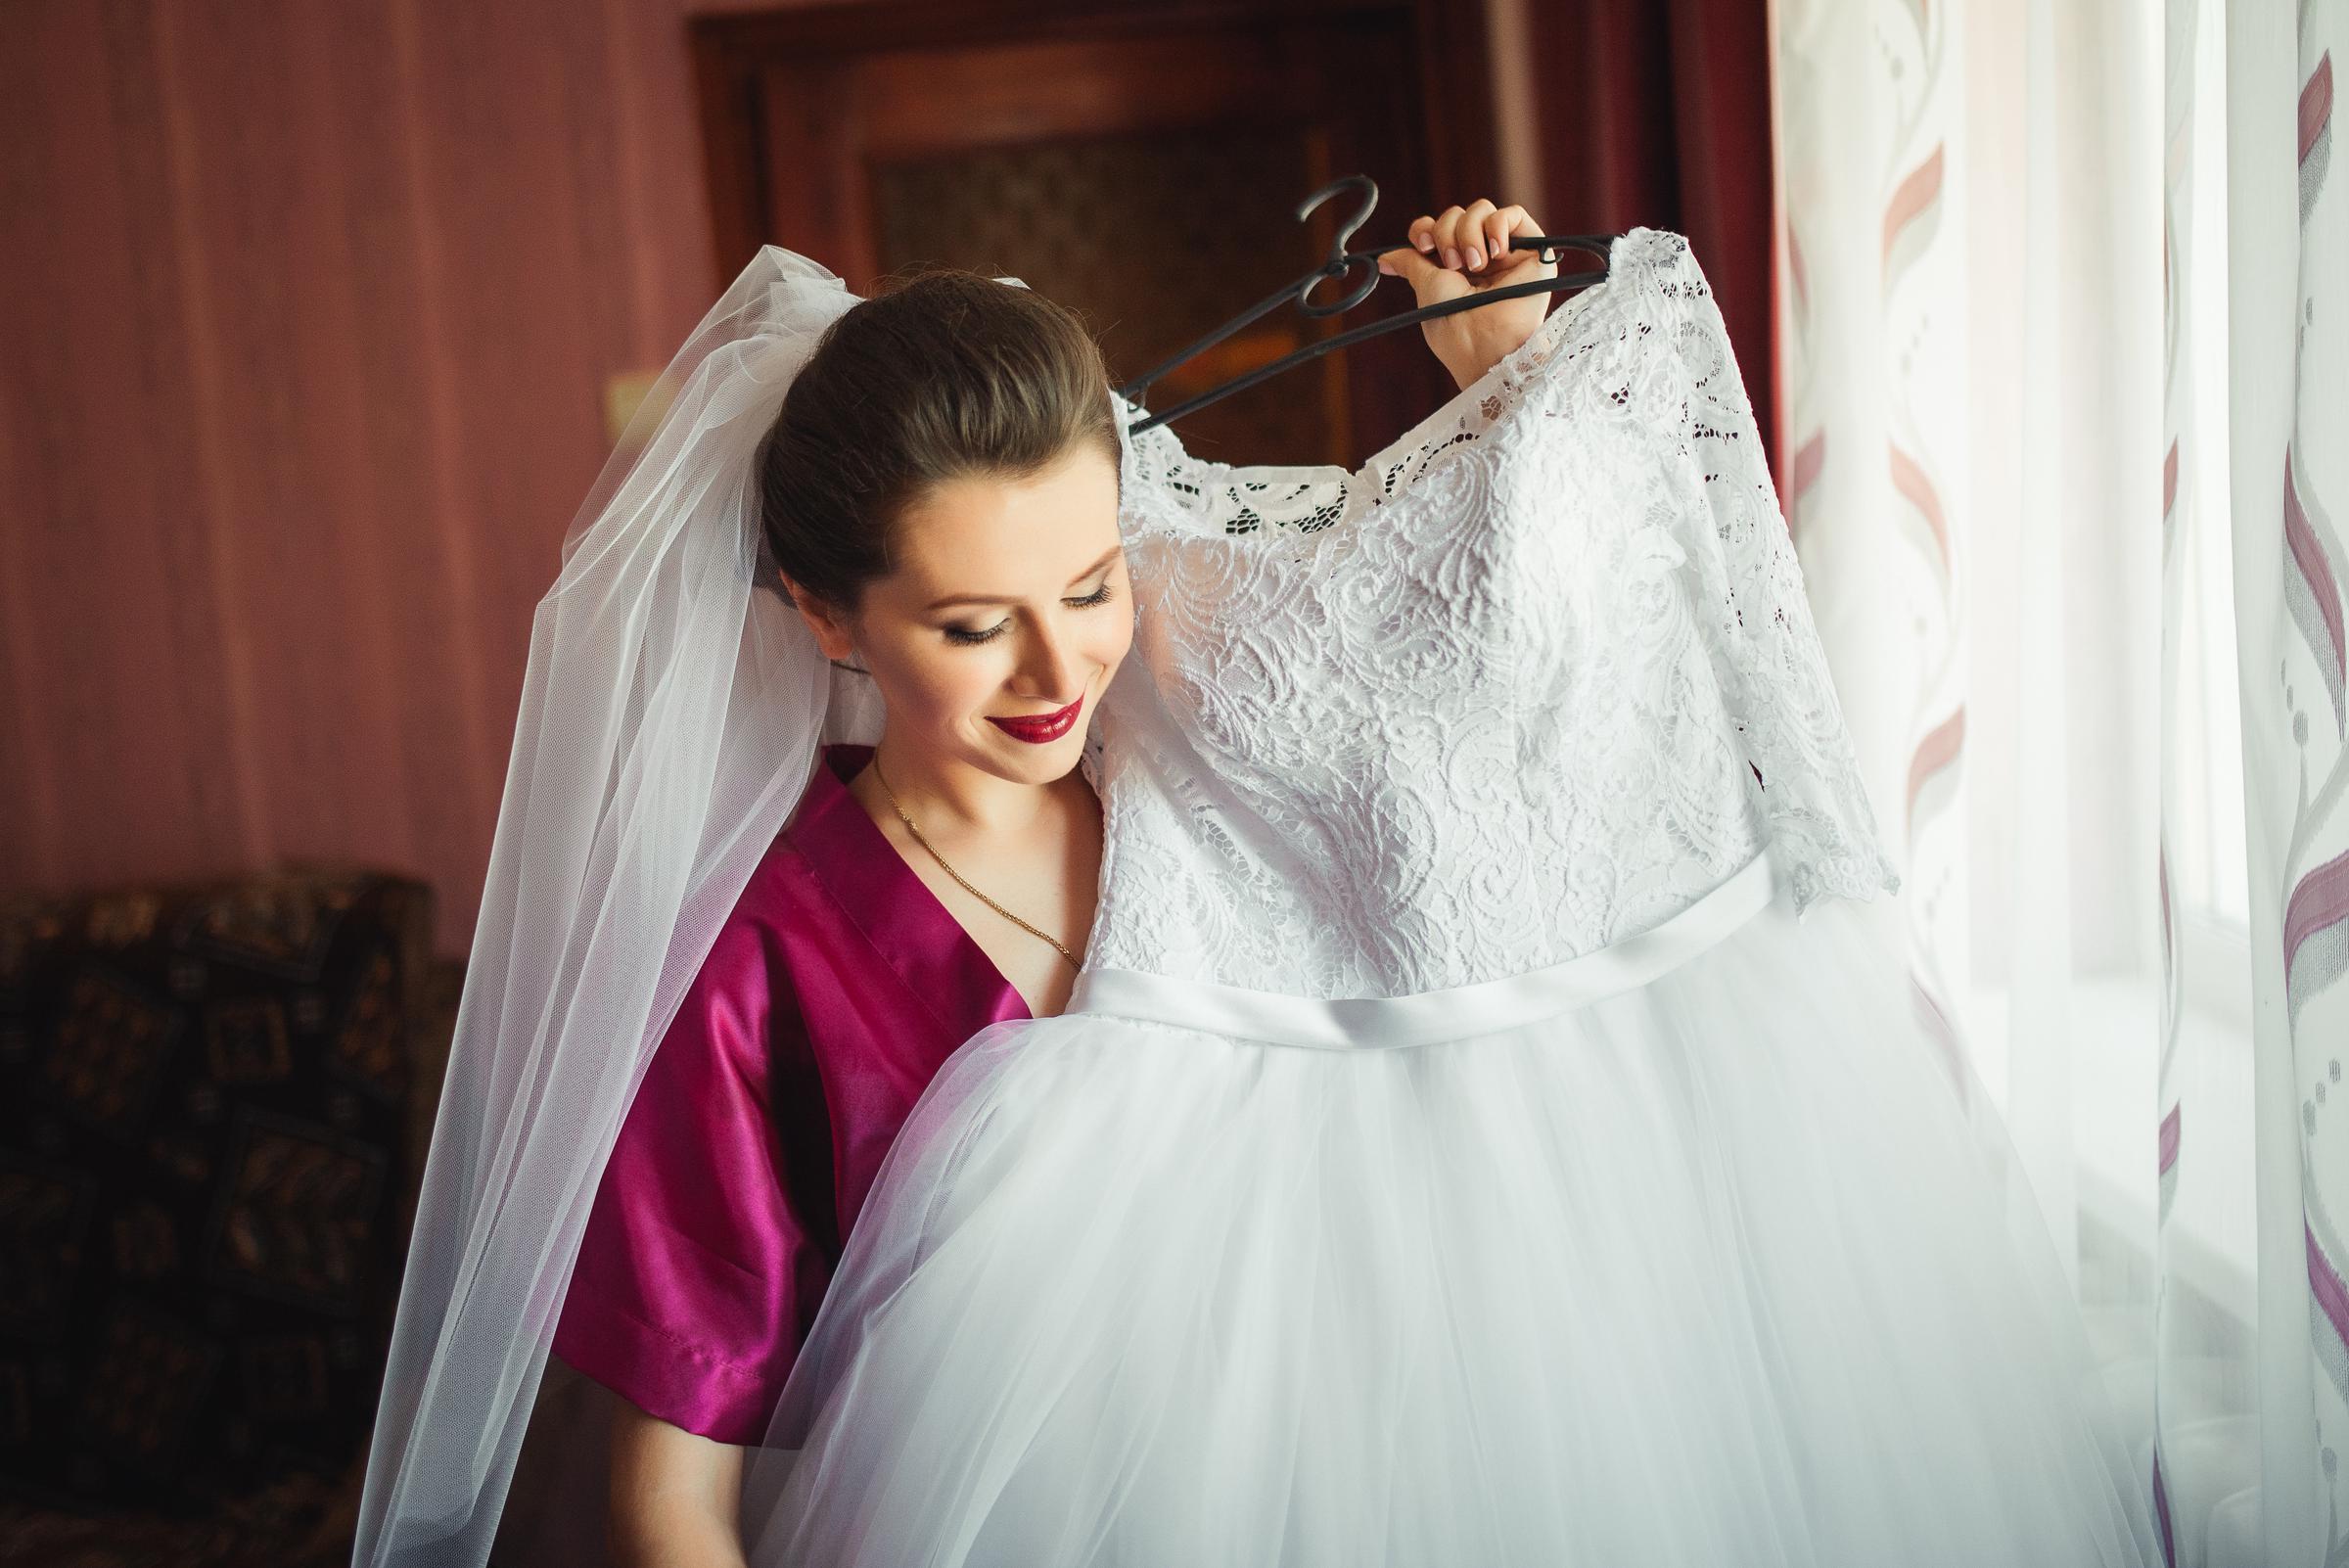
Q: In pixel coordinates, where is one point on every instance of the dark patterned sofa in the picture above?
(214, 1102)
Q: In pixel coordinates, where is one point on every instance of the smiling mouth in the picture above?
(1037, 728)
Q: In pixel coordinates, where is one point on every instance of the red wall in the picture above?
(309, 308)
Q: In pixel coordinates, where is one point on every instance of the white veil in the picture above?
(670, 718)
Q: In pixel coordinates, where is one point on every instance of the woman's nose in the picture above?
(1049, 668)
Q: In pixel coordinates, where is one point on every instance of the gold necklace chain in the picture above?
(958, 876)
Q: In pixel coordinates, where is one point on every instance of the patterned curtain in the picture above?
(1871, 106)
(2048, 272)
(2286, 256)
(2004, 309)
(1943, 300)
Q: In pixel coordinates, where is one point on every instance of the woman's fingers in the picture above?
(1446, 236)
(1502, 226)
(1409, 264)
(1471, 238)
(1476, 247)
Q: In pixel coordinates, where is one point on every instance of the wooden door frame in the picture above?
(1450, 41)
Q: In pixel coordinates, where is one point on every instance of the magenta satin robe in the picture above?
(835, 989)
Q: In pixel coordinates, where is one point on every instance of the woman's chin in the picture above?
(1037, 761)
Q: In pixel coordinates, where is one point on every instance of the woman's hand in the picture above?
(1466, 250)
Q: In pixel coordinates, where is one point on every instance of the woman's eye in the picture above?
(967, 637)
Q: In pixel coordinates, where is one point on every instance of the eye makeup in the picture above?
(967, 637)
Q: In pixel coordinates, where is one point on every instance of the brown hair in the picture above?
(945, 375)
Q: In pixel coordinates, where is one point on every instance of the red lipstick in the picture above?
(1037, 729)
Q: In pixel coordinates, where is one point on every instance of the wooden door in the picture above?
(1141, 165)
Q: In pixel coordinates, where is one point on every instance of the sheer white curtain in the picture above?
(2206, 1296)
(2016, 524)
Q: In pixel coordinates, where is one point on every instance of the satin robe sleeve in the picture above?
(701, 1266)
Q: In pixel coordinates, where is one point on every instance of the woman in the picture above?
(654, 882)
(968, 566)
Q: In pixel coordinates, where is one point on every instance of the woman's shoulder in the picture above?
(771, 902)
(784, 887)
(787, 903)
(742, 1002)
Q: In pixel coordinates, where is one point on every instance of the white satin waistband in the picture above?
(1424, 1018)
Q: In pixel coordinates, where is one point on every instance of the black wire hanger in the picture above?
(1340, 261)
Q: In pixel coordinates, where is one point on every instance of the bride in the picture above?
(1482, 1129)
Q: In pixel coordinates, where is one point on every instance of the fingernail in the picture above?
(1425, 243)
(1384, 265)
(1451, 257)
(1476, 257)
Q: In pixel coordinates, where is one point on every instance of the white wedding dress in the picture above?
(1456, 1150)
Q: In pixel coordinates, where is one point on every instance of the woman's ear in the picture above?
(831, 628)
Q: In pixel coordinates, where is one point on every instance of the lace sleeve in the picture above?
(1803, 774)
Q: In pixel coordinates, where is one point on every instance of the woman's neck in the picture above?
(951, 799)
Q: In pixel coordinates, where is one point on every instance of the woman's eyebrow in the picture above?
(1107, 556)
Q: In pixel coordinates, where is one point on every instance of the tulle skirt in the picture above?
(1717, 1269)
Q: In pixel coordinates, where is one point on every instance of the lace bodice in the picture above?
(1532, 679)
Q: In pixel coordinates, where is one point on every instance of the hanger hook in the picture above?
(1338, 263)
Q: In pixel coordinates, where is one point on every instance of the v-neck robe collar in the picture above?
(897, 911)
